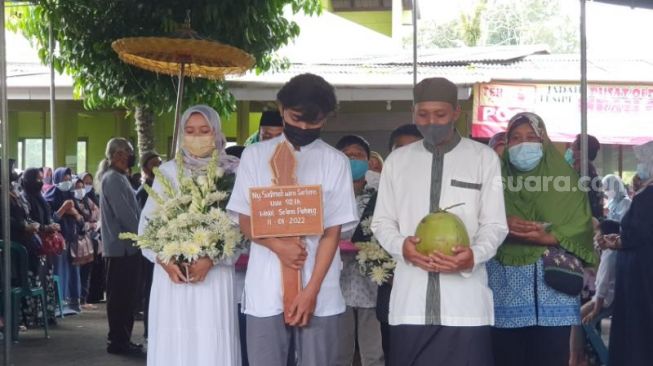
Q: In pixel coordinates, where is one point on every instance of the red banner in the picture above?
(617, 114)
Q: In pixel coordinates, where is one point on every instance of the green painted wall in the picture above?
(28, 120)
(379, 21)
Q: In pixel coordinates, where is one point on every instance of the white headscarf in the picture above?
(226, 162)
(613, 183)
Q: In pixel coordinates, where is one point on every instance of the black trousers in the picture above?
(123, 295)
(436, 345)
(148, 274)
(532, 346)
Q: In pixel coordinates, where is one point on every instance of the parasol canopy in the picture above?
(186, 54)
(201, 58)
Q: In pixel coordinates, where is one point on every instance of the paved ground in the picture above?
(79, 339)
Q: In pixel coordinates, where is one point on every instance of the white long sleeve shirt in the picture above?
(471, 174)
(606, 277)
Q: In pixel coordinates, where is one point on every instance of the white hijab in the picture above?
(226, 162)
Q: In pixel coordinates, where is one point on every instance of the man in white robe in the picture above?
(441, 306)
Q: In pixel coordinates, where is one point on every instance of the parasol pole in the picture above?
(54, 135)
(583, 91)
(180, 95)
(414, 43)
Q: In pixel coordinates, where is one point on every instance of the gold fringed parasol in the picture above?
(184, 55)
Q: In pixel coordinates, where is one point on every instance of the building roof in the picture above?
(365, 65)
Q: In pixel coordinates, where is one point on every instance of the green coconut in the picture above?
(441, 231)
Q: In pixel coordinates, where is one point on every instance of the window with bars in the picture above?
(361, 5)
(32, 153)
(82, 153)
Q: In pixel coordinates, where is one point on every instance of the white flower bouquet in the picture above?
(373, 261)
(191, 221)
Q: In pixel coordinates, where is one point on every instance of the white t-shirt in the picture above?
(317, 163)
(471, 175)
(606, 277)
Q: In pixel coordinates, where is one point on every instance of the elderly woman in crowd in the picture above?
(532, 318)
(632, 319)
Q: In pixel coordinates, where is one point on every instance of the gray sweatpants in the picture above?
(360, 324)
(269, 339)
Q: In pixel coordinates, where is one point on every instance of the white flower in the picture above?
(202, 180)
(379, 275)
(366, 226)
(187, 225)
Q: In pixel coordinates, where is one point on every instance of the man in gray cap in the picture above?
(441, 307)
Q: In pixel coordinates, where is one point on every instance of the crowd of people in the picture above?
(541, 261)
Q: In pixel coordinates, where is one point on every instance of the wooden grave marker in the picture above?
(286, 209)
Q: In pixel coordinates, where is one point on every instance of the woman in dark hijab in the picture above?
(39, 212)
(632, 317)
(60, 198)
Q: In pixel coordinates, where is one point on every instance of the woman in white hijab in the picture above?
(618, 201)
(193, 321)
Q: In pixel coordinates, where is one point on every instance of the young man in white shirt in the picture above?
(305, 102)
(441, 306)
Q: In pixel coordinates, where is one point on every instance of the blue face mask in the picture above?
(358, 168)
(526, 156)
(643, 172)
(569, 156)
(65, 186)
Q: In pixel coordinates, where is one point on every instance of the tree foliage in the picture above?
(505, 22)
(519, 22)
(84, 30)
(470, 24)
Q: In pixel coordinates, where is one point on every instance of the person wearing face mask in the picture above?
(39, 212)
(203, 303)
(358, 324)
(632, 318)
(90, 214)
(432, 319)
(62, 204)
(533, 320)
(24, 231)
(149, 161)
(616, 194)
(305, 103)
(47, 179)
(119, 213)
(97, 277)
(594, 189)
(375, 167)
(89, 189)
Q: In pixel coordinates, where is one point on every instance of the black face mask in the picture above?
(300, 137)
(33, 187)
(131, 161)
